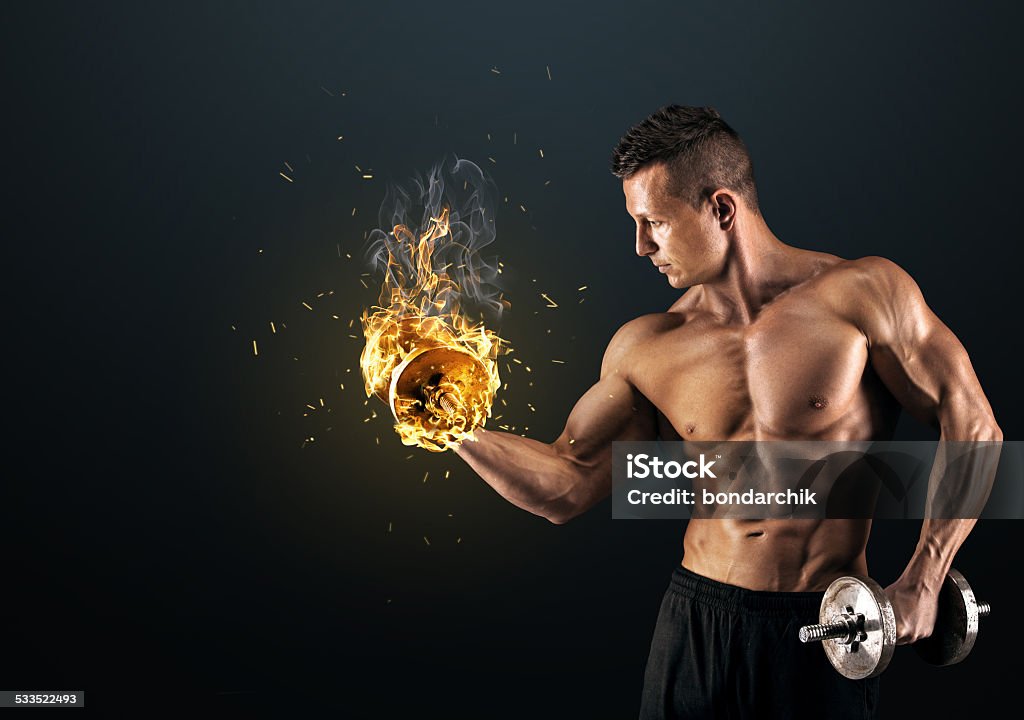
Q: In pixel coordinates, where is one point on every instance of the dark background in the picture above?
(174, 537)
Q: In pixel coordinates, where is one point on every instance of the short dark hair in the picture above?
(702, 152)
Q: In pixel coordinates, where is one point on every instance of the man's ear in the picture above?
(724, 206)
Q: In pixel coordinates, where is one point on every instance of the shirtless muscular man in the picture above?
(769, 342)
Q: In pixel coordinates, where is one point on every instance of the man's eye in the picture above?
(654, 223)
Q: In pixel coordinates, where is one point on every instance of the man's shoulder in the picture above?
(636, 333)
(874, 294)
(644, 327)
(866, 278)
(869, 267)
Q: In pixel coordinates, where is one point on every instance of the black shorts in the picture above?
(721, 651)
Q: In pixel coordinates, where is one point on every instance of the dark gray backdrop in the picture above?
(171, 527)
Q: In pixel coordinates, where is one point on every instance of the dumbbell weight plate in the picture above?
(457, 366)
(956, 625)
(866, 597)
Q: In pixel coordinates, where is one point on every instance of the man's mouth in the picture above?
(663, 268)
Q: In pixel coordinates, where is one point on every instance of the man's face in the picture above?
(686, 245)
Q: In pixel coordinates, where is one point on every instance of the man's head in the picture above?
(686, 175)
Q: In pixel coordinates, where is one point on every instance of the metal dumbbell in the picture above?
(956, 625)
(438, 394)
(415, 388)
(857, 626)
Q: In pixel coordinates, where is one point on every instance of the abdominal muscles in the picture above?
(776, 555)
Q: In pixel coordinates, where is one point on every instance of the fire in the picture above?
(435, 367)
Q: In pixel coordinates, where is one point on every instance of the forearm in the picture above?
(939, 542)
(533, 475)
(961, 480)
(563, 479)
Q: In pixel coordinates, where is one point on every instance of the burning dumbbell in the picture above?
(438, 395)
(857, 626)
(434, 365)
(438, 381)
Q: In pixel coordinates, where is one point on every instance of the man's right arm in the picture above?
(563, 479)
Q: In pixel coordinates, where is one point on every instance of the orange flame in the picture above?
(422, 311)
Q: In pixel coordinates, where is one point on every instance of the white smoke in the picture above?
(472, 199)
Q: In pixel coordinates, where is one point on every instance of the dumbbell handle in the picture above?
(449, 403)
(824, 631)
(830, 631)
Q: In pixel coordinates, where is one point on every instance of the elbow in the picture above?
(971, 427)
(996, 433)
(987, 431)
(977, 434)
(559, 518)
(561, 512)
(579, 489)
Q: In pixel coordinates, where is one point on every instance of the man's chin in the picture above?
(677, 281)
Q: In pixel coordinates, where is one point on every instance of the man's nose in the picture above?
(644, 244)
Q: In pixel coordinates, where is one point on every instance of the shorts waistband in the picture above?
(730, 597)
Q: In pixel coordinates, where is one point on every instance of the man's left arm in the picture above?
(927, 370)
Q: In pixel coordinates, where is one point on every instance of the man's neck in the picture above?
(759, 267)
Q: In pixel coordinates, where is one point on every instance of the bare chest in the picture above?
(796, 372)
